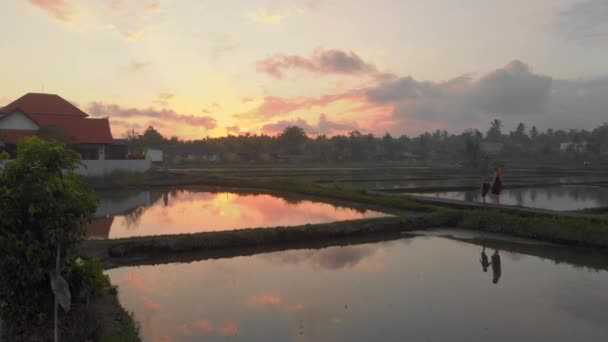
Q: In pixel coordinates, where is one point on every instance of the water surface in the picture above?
(429, 288)
(561, 198)
(145, 213)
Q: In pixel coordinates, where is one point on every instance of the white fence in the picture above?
(105, 167)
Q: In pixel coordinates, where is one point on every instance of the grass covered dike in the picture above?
(410, 214)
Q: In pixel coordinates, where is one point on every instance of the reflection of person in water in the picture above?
(484, 260)
(496, 269)
(468, 196)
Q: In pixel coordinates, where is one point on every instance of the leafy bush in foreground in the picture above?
(43, 204)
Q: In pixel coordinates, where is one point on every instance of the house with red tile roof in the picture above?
(52, 117)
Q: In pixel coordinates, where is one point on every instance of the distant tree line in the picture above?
(466, 148)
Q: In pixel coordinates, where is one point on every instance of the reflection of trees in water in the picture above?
(575, 193)
(156, 196)
(523, 197)
(297, 199)
(332, 258)
(468, 196)
(292, 200)
(133, 217)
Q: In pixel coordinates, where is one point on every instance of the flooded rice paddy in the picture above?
(562, 198)
(146, 213)
(409, 179)
(414, 288)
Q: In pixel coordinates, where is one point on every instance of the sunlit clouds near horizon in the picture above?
(209, 68)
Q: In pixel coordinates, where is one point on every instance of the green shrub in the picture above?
(88, 278)
(43, 205)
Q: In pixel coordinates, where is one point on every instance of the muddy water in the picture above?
(145, 213)
(554, 198)
(424, 288)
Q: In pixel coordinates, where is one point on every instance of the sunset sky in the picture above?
(196, 68)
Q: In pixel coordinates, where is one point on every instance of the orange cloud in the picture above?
(278, 106)
(58, 9)
(115, 4)
(267, 16)
(152, 307)
(185, 329)
(137, 283)
(265, 301)
(228, 329)
(203, 326)
(152, 7)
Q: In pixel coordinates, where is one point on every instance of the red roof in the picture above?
(52, 110)
(43, 104)
(13, 136)
(80, 130)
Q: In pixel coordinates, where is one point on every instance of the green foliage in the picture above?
(495, 131)
(134, 142)
(292, 139)
(88, 276)
(582, 230)
(472, 149)
(152, 138)
(43, 204)
(128, 329)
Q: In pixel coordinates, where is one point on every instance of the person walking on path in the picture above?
(497, 184)
(485, 188)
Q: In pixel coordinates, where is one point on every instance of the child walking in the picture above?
(485, 188)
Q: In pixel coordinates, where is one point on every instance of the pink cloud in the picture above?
(278, 106)
(203, 326)
(151, 306)
(324, 126)
(160, 117)
(185, 329)
(228, 329)
(322, 62)
(265, 301)
(58, 9)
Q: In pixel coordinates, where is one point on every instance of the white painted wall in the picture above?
(154, 155)
(102, 152)
(105, 167)
(18, 121)
(491, 147)
(576, 147)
